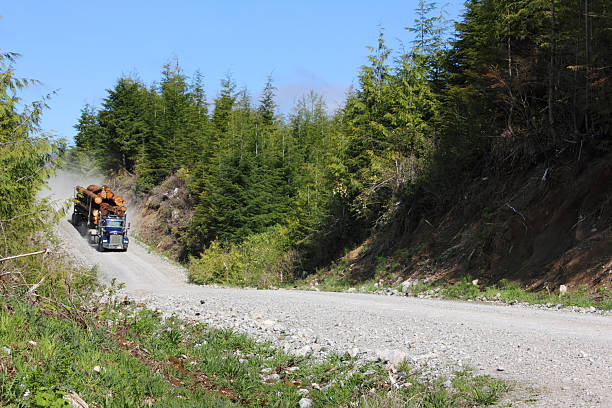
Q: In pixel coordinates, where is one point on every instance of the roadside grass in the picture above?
(336, 278)
(465, 290)
(119, 354)
(514, 292)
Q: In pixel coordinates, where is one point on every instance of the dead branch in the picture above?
(5, 241)
(44, 251)
(521, 215)
(516, 212)
(20, 216)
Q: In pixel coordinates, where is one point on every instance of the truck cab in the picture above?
(111, 233)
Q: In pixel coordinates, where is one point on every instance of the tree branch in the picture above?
(44, 251)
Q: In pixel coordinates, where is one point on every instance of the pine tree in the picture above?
(123, 126)
(89, 132)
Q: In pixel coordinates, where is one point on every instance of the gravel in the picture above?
(556, 358)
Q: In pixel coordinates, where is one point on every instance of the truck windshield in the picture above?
(114, 223)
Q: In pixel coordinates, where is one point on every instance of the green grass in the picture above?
(336, 280)
(123, 355)
(514, 292)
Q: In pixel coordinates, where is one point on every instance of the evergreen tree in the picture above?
(27, 158)
(89, 132)
(123, 126)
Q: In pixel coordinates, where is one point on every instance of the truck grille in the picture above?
(116, 239)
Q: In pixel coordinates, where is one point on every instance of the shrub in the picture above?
(261, 260)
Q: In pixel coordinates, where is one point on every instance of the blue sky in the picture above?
(80, 48)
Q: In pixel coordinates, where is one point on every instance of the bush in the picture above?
(260, 260)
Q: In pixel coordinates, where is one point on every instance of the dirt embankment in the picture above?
(159, 218)
(548, 226)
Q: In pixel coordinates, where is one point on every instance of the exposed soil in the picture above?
(544, 227)
(161, 217)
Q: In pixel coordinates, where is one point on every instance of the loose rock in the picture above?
(305, 403)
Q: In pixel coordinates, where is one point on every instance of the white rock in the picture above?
(32, 343)
(303, 352)
(303, 391)
(562, 290)
(97, 369)
(6, 350)
(475, 282)
(271, 378)
(407, 284)
(305, 403)
(392, 357)
(75, 400)
(306, 333)
(267, 324)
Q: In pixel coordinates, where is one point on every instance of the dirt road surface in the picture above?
(555, 358)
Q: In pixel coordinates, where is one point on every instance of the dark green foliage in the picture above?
(125, 130)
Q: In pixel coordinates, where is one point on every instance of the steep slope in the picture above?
(544, 227)
(159, 218)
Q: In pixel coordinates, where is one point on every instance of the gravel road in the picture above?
(555, 358)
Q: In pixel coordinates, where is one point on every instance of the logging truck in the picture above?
(104, 214)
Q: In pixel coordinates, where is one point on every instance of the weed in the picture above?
(462, 290)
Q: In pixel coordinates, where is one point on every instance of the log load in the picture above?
(106, 209)
(83, 191)
(100, 200)
(99, 190)
(106, 193)
(109, 194)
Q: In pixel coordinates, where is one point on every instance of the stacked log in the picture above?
(106, 209)
(100, 200)
(84, 192)
(107, 194)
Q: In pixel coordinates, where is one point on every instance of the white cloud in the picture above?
(289, 92)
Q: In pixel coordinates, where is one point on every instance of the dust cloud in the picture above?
(60, 187)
